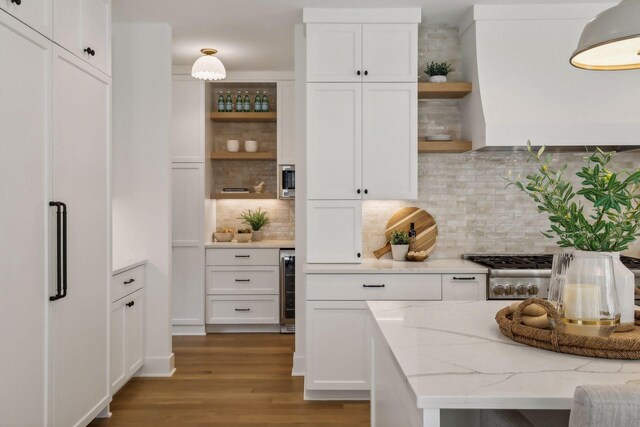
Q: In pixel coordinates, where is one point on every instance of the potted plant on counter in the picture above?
(605, 219)
(438, 71)
(256, 220)
(399, 245)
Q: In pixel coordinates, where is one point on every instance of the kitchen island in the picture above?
(437, 363)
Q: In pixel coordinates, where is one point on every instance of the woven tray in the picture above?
(625, 345)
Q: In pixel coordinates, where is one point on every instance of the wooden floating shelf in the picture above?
(444, 146)
(245, 196)
(243, 155)
(243, 117)
(449, 90)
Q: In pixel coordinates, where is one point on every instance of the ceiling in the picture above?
(257, 35)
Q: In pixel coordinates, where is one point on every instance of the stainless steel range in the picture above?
(527, 276)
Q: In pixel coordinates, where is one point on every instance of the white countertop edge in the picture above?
(263, 244)
(129, 267)
(388, 266)
(489, 402)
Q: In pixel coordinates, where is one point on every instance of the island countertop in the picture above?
(453, 356)
(435, 266)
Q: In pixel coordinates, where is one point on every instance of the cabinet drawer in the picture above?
(245, 280)
(361, 287)
(126, 282)
(464, 287)
(242, 256)
(242, 309)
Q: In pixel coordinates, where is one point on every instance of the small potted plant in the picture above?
(399, 244)
(256, 220)
(438, 71)
(243, 235)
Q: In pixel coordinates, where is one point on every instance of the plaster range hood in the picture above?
(524, 88)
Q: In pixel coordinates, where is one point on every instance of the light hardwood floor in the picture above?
(229, 380)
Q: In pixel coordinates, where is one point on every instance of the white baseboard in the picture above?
(337, 395)
(96, 411)
(188, 330)
(299, 366)
(244, 329)
(157, 367)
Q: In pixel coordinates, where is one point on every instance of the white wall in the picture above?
(141, 175)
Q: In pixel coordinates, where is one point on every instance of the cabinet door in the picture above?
(334, 52)
(187, 119)
(334, 231)
(390, 52)
(334, 141)
(390, 141)
(286, 123)
(79, 322)
(464, 287)
(337, 346)
(25, 137)
(134, 332)
(117, 346)
(37, 14)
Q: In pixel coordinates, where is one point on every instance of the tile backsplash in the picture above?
(281, 214)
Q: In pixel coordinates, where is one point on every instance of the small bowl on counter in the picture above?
(223, 237)
(417, 256)
(243, 237)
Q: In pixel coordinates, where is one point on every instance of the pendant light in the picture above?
(208, 67)
(611, 40)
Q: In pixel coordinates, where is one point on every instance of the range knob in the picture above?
(509, 289)
(521, 289)
(532, 289)
(498, 289)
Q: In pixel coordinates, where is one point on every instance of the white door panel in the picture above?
(334, 52)
(334, 231)
(390, 53)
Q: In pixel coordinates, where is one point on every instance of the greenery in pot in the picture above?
(399, 237)
(255, 219)
(244, 231)
(612, 221)
(438, 69)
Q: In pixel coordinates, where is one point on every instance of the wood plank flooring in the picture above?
(229, 380)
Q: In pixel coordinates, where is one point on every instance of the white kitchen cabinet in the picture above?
(37, 14)
(337, 346)
(372, 52)
(286, 123)
(117, 368)
(334, 231)
(84, 28)
(187, 119)
(464, 287)
(243, 309)
(127, 338)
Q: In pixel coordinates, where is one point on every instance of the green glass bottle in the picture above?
(239, 105)
(265, 102)
(247, 101)
(221, 104)
(257, 104)
(229, 102)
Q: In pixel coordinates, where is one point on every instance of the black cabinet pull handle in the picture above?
(243, 256)
(61, 250)
(373, 286)
(359, 255)
(128, 282)
(90, 51)
(17, 2)
(366, 73)
(243, 280)
(243, 309)
(358, 72)
(358, 191)
(463, 278)
(366, 191)
(131, 304)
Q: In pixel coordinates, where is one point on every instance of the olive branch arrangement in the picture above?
(612, 222)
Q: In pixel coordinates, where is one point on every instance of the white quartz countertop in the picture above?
(454, 356)
(435, 266)
(122, 267)
(263, 244)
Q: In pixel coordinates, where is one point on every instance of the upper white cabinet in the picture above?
(187, 119)
(286, 123)
(362, 52)
(84, 28)
(37, 14)
(334, 231)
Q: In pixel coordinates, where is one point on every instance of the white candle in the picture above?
(581, 302)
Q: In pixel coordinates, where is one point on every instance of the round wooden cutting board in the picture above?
(424, 224)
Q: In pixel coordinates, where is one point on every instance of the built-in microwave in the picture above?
(287, 182)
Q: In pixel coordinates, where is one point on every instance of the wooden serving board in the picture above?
(424, 224)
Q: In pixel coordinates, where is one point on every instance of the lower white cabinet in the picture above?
(464, 287)
(127, 335)
(334, 231)
(242, 309)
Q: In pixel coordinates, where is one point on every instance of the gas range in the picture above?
(526, 276)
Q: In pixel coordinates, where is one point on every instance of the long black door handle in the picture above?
(243, 309)
(243, 256)
(463, 278)
(243, 280)
(61, 250)
(373, 286)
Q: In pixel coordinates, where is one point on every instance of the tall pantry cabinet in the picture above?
(55, 255)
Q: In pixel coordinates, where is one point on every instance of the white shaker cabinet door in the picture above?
(79, 322)
(334, 231)
(187, 119)
(337, 346)
(25, 137)
(37, 14)
(390, 141)
(390, 53)
(134, 332)
(334, 52)
(334, 141)
(286, 123)
(117, 346)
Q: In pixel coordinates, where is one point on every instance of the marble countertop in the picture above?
(465, 362)
(263, 244)
(122, 267)
(435, 266)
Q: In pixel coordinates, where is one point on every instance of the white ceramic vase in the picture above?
(399, 252)
(251, 146)
(233, 145)
(257, 235)
(437, 79)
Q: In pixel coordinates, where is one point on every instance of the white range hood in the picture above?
(524, 87)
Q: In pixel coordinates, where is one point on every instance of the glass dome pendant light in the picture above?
(208, 67)
(611, 40)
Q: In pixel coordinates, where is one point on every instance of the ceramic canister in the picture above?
(233, 145)
(251, 146)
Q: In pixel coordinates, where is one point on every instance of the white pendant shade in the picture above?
(611, 40)
(208, 67)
